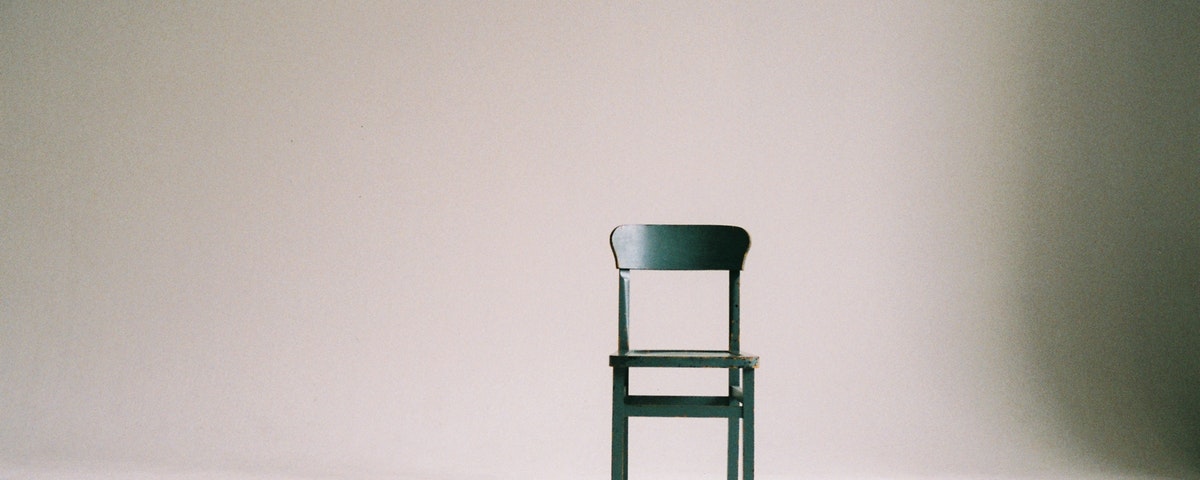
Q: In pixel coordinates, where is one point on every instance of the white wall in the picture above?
(293, 240)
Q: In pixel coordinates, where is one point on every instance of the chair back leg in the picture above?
(748, 423)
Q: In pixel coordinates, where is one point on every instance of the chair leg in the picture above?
(625, 451)
(735, 380)
(748, 424)
(625, 429)
(732, 465)
(620, 435)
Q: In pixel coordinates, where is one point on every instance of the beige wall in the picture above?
(298, 239)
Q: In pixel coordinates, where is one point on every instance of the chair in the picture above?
(682, 247)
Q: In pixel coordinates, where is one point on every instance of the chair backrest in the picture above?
(679, 247)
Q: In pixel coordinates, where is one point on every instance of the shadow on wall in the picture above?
(1110, 278)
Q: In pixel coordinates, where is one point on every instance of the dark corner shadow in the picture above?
(1110, 267)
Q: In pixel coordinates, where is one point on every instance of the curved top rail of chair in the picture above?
(679, 247)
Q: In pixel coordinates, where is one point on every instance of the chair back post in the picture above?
(735, 327)
(623, 313)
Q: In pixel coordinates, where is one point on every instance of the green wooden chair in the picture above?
(682, 247)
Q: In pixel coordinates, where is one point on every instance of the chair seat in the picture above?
(683, 359)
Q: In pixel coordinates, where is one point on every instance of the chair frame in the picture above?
(683, 247)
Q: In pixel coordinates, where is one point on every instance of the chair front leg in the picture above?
(620, 425)
(732, 461)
